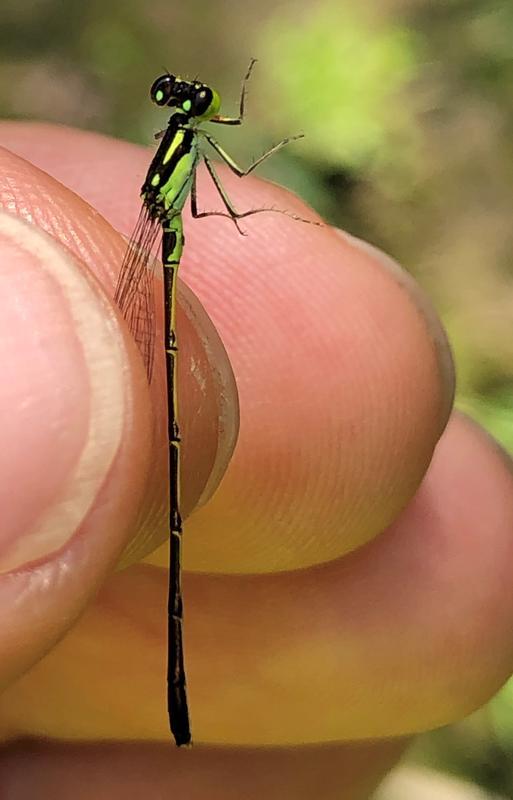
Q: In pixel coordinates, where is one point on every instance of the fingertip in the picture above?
(344, 387)
(425, 307)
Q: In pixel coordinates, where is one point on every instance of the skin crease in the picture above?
(408, 632)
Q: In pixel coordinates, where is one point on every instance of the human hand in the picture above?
(345, 386)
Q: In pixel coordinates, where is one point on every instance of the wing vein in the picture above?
(134, 293)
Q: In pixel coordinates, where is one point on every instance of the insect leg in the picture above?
(228, 160)
(233, 214)
(237, 120)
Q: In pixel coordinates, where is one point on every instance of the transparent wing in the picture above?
(134, 292)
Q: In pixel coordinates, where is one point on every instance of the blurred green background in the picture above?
(407, 107)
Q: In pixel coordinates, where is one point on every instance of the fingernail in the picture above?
(62, 393)
(424, 305)
(226, 390)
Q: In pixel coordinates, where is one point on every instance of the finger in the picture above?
(343, 378)
(138, 770)
(345, 385)
(407, 634)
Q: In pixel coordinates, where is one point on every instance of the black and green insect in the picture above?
(170, 180)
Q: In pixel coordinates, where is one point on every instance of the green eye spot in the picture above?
(155, 180)
(159, 96)
(186, 105)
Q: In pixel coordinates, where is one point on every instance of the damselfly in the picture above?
(170, 180)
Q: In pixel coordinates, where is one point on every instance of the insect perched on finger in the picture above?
(170, 180)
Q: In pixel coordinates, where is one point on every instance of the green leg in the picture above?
(233, 214)
(237, 120)
(228, 160)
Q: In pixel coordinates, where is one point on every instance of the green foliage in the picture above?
(501, 716)
(495, 413)
(340, 78)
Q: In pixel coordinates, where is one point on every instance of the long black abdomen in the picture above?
(172, 245)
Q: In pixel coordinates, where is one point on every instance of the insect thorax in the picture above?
(171, 171)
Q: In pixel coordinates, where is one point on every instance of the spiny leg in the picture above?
(237, 120)
(233, 214)
(172, 245)
(228, 160)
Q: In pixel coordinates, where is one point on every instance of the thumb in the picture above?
(68, 401)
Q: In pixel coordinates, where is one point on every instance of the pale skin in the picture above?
(345, 387)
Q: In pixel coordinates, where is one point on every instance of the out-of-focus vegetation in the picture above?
(407, 107)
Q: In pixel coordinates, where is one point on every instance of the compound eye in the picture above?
(202, 100)
(162, 89)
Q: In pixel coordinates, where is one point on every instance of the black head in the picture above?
(193, 98)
